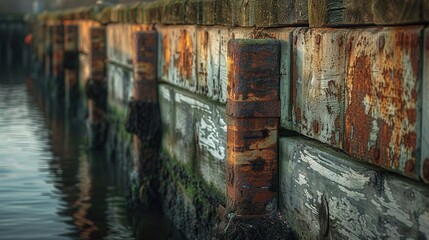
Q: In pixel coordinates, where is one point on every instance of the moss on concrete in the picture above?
(187, 200)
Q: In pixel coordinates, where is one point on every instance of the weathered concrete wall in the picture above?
(362, 91)
(194, 133)
(328, 194)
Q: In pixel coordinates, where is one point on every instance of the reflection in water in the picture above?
(51, 185)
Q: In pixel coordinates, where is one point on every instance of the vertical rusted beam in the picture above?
(98, 53)
(71, 64)
(48, 51)
(58, 60)
(144, 117)
(382, 97)
(97, 86)
(253, 109)
(145, 66)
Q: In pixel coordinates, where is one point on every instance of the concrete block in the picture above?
(318, 68)
(343, 199)
(194, 133)
(382, 123)
(178, 58)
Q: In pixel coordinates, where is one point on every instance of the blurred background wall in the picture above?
(21, 6)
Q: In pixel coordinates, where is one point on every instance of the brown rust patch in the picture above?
(166, 52)
(318, 39)
(357, 132)
(381, 42)
(315, 127)
(185, 51)
(252, 142)
(381, 114)
(409, 167)
(408, 42)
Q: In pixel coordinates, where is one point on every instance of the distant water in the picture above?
(51, 185)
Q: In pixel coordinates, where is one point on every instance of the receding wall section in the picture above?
(352, 133)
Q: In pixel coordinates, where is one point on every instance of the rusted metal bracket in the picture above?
(253, 110)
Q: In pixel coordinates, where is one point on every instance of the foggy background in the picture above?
(23, 6)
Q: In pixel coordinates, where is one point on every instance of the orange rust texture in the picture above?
(185, 59)
(84, 35)
(252, 142)
(145, 66)
(318, 73)
(251, 164)
(383, 77)
(178, 58)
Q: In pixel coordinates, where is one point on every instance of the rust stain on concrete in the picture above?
(166, 53)
(185, 51)
(381, 110)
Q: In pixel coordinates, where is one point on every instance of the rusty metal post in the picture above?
(40, 47)
(58, 60)
(71, 66)
(143, 118)
(96, 88)
(144, 109)
(145, 66)
(253, 109)
(48, 51)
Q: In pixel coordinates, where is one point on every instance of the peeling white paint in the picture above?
(353, 222)
(165, 93)
(347, 178)
(194, 103)
(319, 78)
(209, 139)
(424, 223)
(301, 180)
(392, 208)
(362, 204)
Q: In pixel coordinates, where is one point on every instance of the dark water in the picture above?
(51, 185)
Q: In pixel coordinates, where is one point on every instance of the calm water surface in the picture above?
(51, 185)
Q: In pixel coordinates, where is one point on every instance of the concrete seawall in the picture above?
(326, 134)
